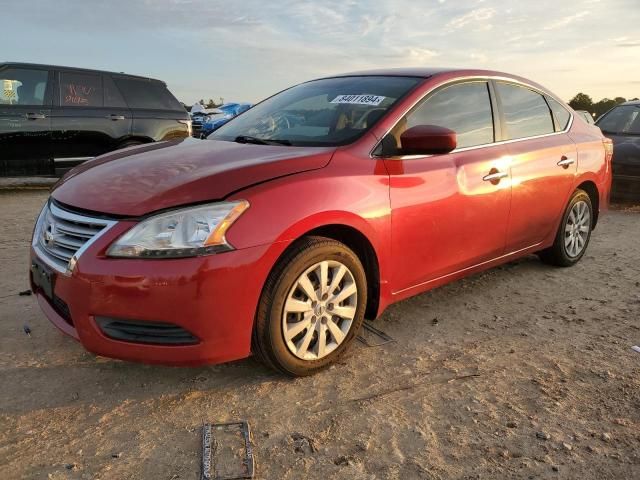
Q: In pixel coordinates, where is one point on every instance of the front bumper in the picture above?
(213, 297)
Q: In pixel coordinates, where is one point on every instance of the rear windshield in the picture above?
(622, 119)
(329, 112)
(147, 94)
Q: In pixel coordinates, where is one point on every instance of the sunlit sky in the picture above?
(245, 50)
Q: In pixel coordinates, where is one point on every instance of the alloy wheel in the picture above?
(576, 230)
(319, 310)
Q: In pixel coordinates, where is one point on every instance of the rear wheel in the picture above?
(573, 234)
(311, 308)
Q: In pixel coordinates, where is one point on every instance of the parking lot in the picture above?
(524, 371)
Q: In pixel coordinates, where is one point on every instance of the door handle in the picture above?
(495, 176)
(35, 116)
(565, 162)
(116, 117)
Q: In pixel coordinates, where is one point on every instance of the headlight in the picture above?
(186, 232)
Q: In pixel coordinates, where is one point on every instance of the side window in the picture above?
(464, 108)
(20, 86)
(560, 114)
(526, 113)
(80, 90)
(146, 94)
(112, 96)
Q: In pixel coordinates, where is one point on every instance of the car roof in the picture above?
(77, 69)
(631, 102)
(424, 72)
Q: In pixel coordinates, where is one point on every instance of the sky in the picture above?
(246, 50)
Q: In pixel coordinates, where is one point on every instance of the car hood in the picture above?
(143, 179)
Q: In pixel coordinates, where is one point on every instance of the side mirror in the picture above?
(428, 140)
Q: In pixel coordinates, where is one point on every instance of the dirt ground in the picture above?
(524, 371)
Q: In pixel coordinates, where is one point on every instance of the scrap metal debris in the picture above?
(24, 293)
(636, 348)
(303, 444)
(374, 332)
(27, 330)
(206, 451)
(214, 467)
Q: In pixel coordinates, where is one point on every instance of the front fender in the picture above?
(285, 209)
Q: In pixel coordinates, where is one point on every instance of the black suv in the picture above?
(52, 118)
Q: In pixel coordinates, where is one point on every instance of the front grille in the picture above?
(61, 234)
(145, 332)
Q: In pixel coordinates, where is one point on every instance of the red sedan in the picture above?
(314, 210)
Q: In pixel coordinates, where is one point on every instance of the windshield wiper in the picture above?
(260, 141)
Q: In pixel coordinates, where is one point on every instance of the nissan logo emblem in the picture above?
(49, 234)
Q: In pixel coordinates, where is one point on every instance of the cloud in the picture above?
(416, 56)
(476, 16)
(249, 49)
(479, 57)
(563, 22)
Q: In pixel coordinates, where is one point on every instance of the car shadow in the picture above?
(85, 379)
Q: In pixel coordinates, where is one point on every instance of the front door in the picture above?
(449, 212)
(25, 122)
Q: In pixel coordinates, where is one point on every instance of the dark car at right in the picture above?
(622, 125)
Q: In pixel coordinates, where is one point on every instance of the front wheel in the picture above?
(573, 234)
(311, 308)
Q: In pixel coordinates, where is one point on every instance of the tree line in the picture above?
(582, 101)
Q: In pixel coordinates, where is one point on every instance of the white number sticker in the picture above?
(374, 100)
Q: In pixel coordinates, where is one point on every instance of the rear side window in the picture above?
(19, 86)
(80, 90)
(622, 119)
(112, 96)
(560, 114)
(526, 113)
(146, 94)
(464, 108)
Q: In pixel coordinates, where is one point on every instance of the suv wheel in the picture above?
(311, 308)
(129, 143)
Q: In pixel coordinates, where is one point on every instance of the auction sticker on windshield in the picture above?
(374, 100)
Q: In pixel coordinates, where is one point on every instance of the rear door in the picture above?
(543, 162)
(90, 116)
(25, 121)
(447, 214)
(157, 114)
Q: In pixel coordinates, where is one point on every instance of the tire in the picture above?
(283, 293)
(563, 253)
(129, 143)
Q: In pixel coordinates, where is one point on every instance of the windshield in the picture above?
(623, 119)
(329, 112)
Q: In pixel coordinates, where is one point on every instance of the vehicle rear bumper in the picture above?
(625, 188)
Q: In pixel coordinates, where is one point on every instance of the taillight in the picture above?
(608, 150)
(189, 125)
